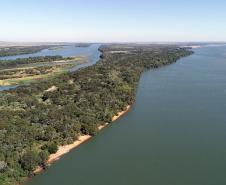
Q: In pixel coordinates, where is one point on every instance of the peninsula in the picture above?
(41, 120)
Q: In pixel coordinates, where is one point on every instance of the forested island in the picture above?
(19, 50)
(30, 60)
(36, 120)
(82, 45)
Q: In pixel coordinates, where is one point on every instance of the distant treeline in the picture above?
(35, 121)
(20, 50)
(83, 45)
(30, 60)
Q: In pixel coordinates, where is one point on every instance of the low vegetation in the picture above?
(31, 60)
(19, 50)
(83, 45)
(23, 71)
(35, 120)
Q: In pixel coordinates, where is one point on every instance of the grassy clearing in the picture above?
(25, 74)
(29, 79)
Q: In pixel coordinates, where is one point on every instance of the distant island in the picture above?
(18, 50)
(56, 48)
(82, 45)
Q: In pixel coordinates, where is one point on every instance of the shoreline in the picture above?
(192, 46)
(204, 45)
(64, 149)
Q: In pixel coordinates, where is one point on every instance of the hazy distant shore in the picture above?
(204, 45)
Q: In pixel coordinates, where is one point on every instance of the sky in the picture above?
(112, 20)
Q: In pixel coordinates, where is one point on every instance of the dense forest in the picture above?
(35, 121)
(30, 60)
(20, 50)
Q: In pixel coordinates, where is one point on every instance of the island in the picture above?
(19, 50)
(83, 45)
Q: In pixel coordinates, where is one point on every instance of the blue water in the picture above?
(175, 133)
(5, 88)
(65, 51)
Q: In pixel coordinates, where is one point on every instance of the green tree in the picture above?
(43, 155)
(52, 148)
(30, 160)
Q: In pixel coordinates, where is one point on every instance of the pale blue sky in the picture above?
(113, 20)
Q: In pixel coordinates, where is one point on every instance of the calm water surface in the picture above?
(65, 51)
(175, 133)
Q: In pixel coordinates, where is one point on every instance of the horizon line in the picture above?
(97, 42)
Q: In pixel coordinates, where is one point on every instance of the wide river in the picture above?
(175, 133)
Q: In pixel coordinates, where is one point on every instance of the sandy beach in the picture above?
(121, 113)
(193, 46)
(62, 150)
(66, 148)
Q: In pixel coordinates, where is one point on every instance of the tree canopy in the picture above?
(34, 121)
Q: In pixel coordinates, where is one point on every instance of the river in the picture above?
(92, 53)
(175, 133)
